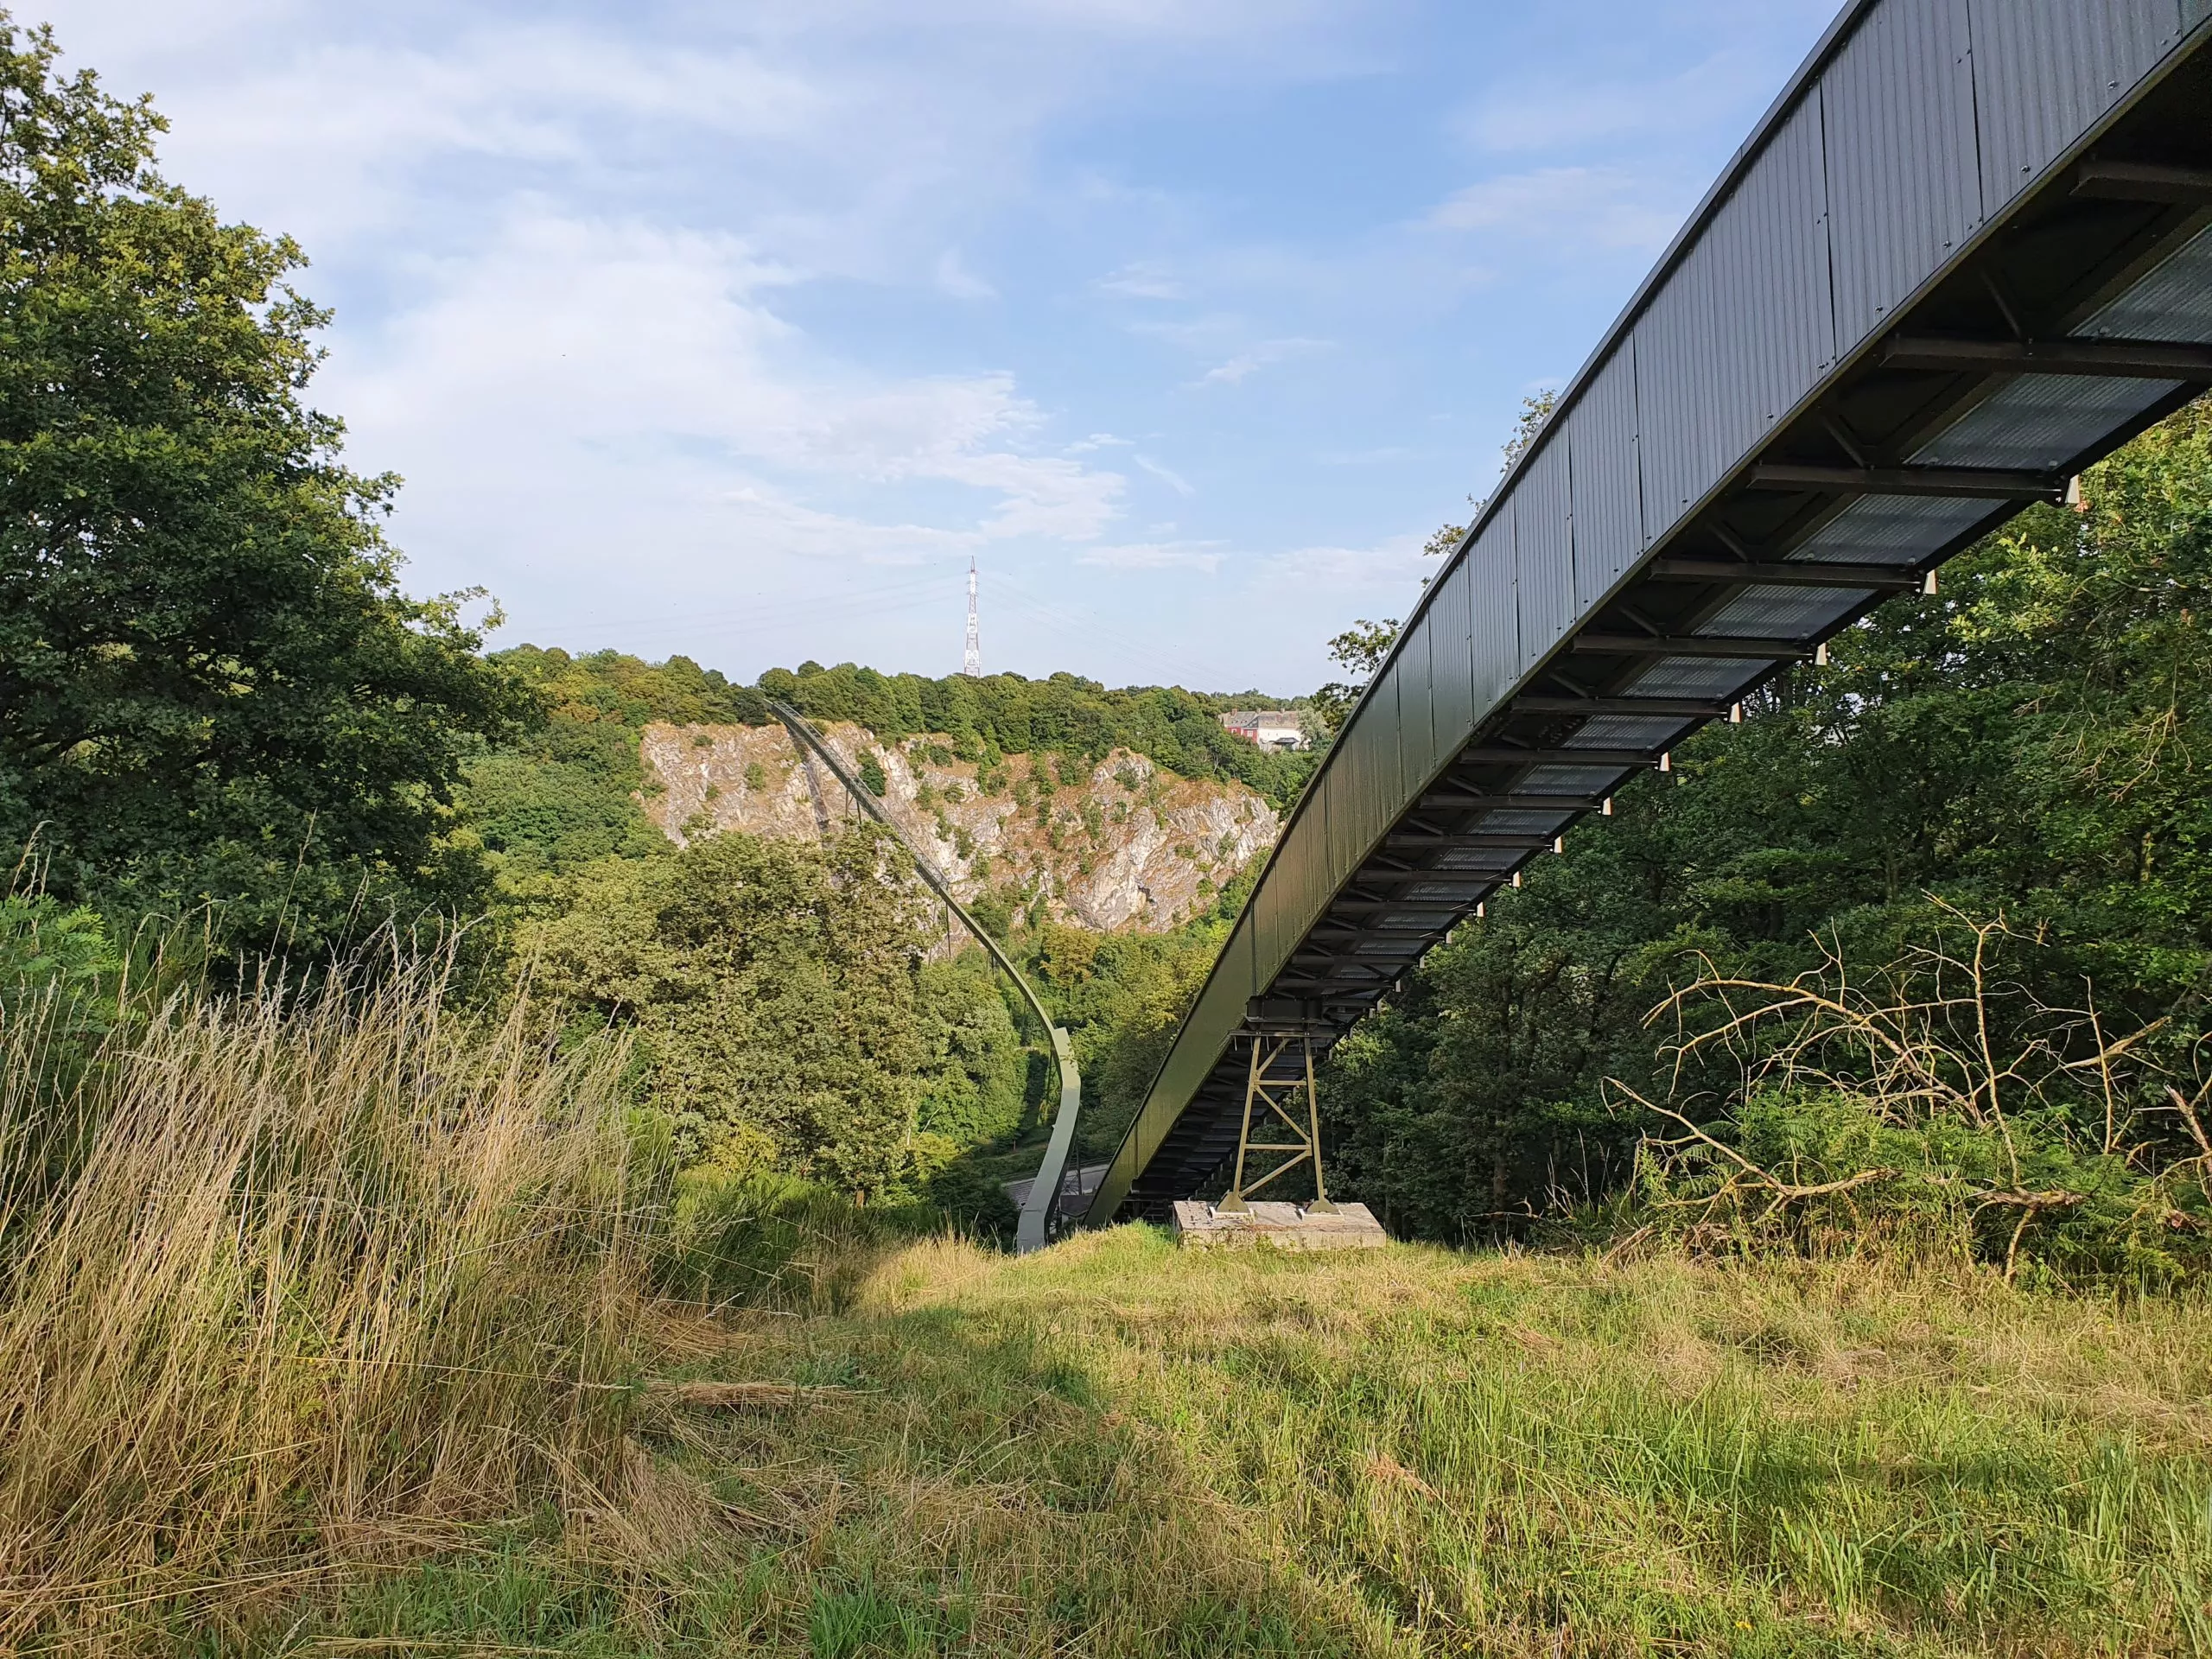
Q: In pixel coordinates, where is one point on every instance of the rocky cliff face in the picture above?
(1118, 845)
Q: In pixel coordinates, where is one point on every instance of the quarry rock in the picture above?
(1120, 844)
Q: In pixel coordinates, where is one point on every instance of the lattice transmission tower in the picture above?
(971, 660)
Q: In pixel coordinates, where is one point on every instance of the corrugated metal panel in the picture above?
(1392, 699)
(1743, 329)
(1607, 487)
(1676, 388)
(1904, 185)
(2194, 12)
(1414, 676)
(1543, 541)
(1777, 333)
(1308, 884)
(1275, 899)
(1361, 804)
(2046, 70)
(2039, 422)
(1220, 1010)
(1341, 784)
(1450, 622)
(1497, 614)
(2173, 301)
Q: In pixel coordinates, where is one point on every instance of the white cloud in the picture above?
(1206, 557)
(957, 281)
(1142, 281)
(627, 401)
(1394, 565)
(1174, 481)
(1248, 363)
(1565, 208)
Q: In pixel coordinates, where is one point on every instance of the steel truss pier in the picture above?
(1279, 1077)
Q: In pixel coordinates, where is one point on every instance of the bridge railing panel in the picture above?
(1605, 481)
(1543, 550)
(1677, 383)
(1776, 313)
(1220, 1008)
(1414, 678)
(1904, 178)
(2044, 70)
(1361, 807)
(1496, 662)
(1449, 625)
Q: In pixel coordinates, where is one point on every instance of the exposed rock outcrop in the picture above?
(1118, 845)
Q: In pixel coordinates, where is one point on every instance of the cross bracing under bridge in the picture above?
(1967, 252)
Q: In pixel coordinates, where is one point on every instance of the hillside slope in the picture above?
(1115, 844)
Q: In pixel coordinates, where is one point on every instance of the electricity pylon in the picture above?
(971, 660)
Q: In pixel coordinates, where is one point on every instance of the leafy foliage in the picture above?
(1361, 648)
(58, 967)
(565, 792)
(211, 685)
(784, 1014)
(773, 990)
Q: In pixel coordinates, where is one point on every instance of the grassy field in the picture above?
(352, 1326)
(1119, 1449)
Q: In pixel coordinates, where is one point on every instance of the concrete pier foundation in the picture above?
(1279, 1226)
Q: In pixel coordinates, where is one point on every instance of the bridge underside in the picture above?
(1652, 560)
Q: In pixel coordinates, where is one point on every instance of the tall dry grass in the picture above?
(288, 1283)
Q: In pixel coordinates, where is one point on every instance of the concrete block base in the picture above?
(1282, 1226)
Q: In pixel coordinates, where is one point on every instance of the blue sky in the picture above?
(737, 329)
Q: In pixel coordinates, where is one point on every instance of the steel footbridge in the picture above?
(1966, 253)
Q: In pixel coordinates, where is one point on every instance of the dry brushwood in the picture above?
(1928, 1041)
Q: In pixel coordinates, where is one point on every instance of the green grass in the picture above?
(1115, 1448)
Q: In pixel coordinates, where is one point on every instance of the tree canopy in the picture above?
(212, 687)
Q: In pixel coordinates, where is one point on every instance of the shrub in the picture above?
(1937, 1106)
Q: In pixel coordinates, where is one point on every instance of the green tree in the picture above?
(774, 987)
(211, 684)
(1361, 648)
